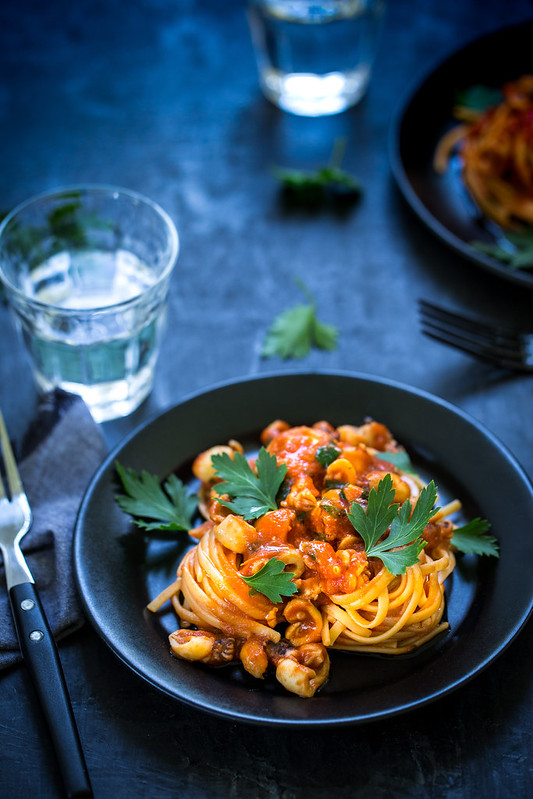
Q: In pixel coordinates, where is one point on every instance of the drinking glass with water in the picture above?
(86, 271)
(315, 58)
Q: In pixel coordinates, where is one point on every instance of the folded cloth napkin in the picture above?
(59, 455)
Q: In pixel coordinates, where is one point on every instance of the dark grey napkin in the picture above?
(60, 453)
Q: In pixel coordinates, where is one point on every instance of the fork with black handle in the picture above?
(34, 635)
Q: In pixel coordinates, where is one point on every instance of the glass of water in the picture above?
(315, 58)
(86, 271)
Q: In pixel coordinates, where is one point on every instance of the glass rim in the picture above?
(92, 188)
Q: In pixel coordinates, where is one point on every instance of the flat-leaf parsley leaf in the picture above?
(327, 454)
(272, 581)
(515, 248)
(478, 98)
(310, 187)
(251, 495)
(472, 539)
(168, 506)
(400, 459)
(405, 527)
(295, 331)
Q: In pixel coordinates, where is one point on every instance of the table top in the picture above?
(163, 98)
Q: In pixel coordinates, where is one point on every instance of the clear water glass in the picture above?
(86, 271)
(315, 59)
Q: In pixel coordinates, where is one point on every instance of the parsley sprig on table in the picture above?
(294, 332)
(311, 187)
(251, 494)
(154, 506)
(405, 528)
(272, 581)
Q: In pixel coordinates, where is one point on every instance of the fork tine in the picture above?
(473, 342)
(472, 348)
(497, 334)
(13, 477)
(497, 343)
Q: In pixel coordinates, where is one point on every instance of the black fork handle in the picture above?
(42, 659)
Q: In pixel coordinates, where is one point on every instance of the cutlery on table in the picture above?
(506, 347)
(35, 637)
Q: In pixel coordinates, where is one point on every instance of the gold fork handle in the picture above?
(42, 659)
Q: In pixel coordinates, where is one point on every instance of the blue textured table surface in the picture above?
(162, 97)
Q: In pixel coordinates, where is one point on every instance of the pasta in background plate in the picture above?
(496, 151)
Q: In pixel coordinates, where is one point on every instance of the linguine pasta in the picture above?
(496, 152)
(343, 599)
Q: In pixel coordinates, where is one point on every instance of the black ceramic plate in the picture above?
(118, 571)
(441, 201)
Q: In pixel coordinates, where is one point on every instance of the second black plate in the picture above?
(441, 201)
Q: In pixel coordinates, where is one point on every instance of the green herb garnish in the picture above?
(169, 506)
(332, 510)
(310, 187)
(515, 250)
(295, 331)
(251, 495)
(272, 581)
(400, 459)
(405, 529)
(327, 454)
(472, 539)
(478, 97)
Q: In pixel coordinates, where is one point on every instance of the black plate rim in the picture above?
(523, 278)
(267, 718)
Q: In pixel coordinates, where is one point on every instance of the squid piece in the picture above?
(438, 534)
(341, 471)
(235, 533)
(305, 622)
(359, 457)
(301, 670)
(202, 467)
(289, 555)
(302, 496)
(214, 649)
(274, 429)
(254, 657)
(402, 489)
(373, 434)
